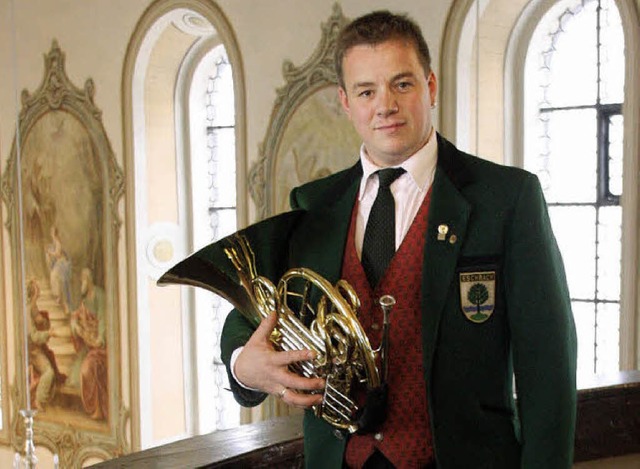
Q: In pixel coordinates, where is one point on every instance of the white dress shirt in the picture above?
(409, 190)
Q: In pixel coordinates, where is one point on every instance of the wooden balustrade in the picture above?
(608, 426)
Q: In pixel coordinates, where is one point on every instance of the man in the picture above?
(45, 375)
(479, 283)
(88, 328)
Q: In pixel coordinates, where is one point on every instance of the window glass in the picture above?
(571, 160)
(584, 314)
(608, 255)
(574, 227)
(615, 154)
(213, 185)
(612, 68)
(607, 332)
(573, 132)
(562, 65)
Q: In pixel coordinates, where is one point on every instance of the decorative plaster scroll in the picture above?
(71, 185)
(57, 92)
(308, 134)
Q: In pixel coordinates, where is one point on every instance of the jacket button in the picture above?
(338, 434)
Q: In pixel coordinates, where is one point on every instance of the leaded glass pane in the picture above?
(216, 166)
(574, 228)
(572, 163)
(615, 154)
(609, 247)
(576, 31)
(220, 97)
(611, 54)
(607, 337)
(584, 316)
(223, 222)
(537, 150)
(223, 167)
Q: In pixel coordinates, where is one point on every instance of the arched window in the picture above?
(184, 147)
(553, 86)
(574, 89)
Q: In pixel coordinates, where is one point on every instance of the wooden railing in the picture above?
(608, 416)
(274, 443)
(608, 426)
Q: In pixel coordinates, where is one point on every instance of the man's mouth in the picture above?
(389, 126)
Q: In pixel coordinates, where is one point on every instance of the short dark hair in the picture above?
(378, 27)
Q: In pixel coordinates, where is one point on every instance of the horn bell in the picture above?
(312, 314)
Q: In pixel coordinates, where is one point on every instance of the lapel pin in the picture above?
(442, 232)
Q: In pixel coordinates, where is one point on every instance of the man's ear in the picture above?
(344, 100)
(432, 83)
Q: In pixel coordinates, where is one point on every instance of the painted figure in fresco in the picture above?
(88, 330)
(44, 373)
(59, 271)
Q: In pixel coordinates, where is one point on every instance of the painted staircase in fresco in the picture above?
(61, 346)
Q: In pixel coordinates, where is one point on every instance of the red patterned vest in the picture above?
(406, 435)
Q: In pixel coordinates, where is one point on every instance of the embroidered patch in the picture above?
(478, 295)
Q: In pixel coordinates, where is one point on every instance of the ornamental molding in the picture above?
(301, 82)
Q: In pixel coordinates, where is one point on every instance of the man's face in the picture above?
(388, 98)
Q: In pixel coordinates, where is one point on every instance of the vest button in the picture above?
(375, 326)
(338, 434)
(378, 436)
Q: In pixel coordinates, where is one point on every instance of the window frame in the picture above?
(138, 231)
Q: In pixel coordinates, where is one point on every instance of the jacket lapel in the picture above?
(449, 211)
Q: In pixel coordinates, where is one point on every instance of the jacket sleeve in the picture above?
(269, 241)
(235, 333)
(543, 334)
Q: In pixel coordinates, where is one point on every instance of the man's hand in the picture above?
(259, 366)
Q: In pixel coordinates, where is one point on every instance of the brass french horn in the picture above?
(312, 314)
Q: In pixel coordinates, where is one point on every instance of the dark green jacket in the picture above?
(499, 218)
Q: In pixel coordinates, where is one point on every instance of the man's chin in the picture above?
(392, 156)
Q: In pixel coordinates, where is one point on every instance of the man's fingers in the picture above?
(293, 381)
(302, 400)
(265, 327)
(259, 366)
(293, 356)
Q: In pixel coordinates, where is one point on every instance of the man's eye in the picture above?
(365, 93)
(403, 85)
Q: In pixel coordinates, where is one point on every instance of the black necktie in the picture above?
(379, 243)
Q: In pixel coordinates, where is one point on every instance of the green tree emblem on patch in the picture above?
(477, 295)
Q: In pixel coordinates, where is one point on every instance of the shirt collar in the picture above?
(420, 166)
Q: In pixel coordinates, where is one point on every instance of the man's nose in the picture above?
(387, 103)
